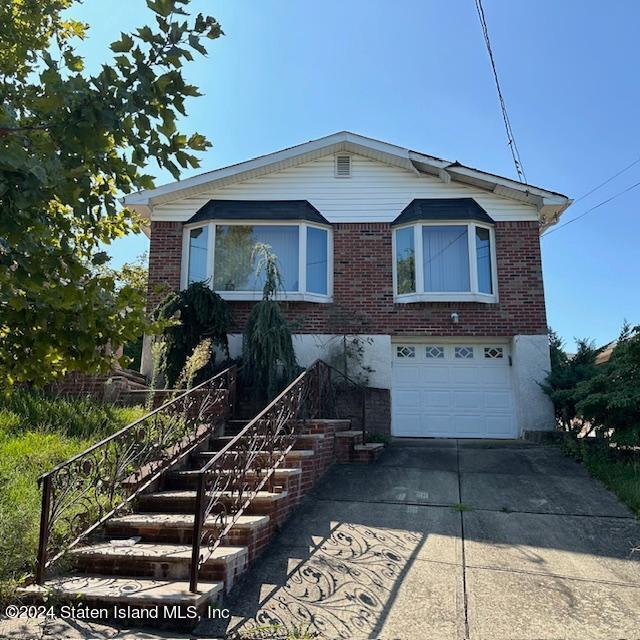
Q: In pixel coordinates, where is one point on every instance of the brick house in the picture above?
(435, 266)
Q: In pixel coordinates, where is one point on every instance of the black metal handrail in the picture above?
(83, 492)
(232, 478)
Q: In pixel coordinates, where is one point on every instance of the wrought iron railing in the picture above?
(228, 483)
(80, 494)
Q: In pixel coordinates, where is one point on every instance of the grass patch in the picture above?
(378, 437)
(622, 477)
(38, 432)
(461, 507)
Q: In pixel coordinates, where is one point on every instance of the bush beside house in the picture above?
(598, 407)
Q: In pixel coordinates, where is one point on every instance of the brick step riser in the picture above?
(302, 442)
(254, 538)
(239, 537)
(190, 482)
(188, 505)
(216, 571)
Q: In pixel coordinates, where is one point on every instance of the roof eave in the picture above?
(549, 204)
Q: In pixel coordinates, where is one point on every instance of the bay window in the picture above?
(444, 261)
(221, 254)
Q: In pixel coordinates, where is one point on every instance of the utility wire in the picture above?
(600, 204)
(505, 116)
(607, 181)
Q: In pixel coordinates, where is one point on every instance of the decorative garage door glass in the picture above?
(453, 390)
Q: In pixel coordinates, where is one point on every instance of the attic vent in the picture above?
(343, 166)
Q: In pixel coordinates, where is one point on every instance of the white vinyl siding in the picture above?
(376, 192)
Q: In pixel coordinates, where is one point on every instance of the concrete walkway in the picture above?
(438, 540)
(450, 539)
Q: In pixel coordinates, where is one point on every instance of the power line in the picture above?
(511, 139)
(600, 204)
(607, 181)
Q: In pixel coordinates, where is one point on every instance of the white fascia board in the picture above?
(413, 161)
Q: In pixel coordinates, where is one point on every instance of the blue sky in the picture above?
(416, 73)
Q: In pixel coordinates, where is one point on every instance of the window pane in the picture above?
(233, 268)
(197, 271)
(317, 260)
(405, 261)
(483, 258)
(445, 258)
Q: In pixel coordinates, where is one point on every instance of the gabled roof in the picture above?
(443, 209)
(550, 204)
(258, 210)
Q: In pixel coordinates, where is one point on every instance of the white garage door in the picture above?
(456, 390)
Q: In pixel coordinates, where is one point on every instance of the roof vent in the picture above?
(343, 166)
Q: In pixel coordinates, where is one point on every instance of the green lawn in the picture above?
(36, 433)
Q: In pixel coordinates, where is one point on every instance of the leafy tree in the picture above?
(136, 275)
(70, 144)
(268, 357)
(198, 313)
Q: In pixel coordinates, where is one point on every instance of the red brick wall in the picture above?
(363, 287)
(165, 252)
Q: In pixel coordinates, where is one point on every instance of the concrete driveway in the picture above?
(451, 539)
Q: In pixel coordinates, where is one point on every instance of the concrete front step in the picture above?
(178, 521)
(187, 478)
(303, 441)
(184, 500)
(126, 591)
(294, 454)
(160, 561)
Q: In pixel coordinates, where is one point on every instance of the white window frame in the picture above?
(301, 295)
(473, 295)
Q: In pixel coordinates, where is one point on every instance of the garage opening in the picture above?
(454, 390)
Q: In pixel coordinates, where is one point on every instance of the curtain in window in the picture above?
(483, 260)
(317, 260)
(445, 252)
(233, 268)
(405, 261)
(197, 271)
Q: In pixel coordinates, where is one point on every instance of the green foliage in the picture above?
(70, 144)
(197, 361)
(461, 507)
(610, 399)
(268, 357)
(197, 313)
(622, 476)
(378, 437)
(38, 432)
(75, 417)
(346, 354)
(566, 373)
(606, 397)
(136, 275)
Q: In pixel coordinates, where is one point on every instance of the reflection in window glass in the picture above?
(483, 259)
(233, 268)
(197, 271)
(317, 260)
(405, 261)
(445, 252)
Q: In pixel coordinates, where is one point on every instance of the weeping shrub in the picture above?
(199, 313)
(268, 357)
